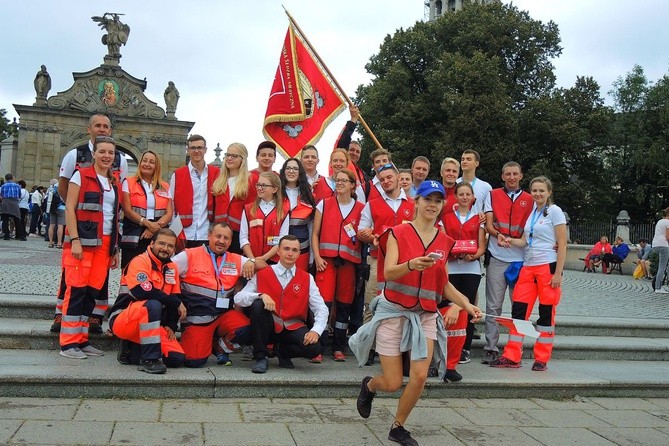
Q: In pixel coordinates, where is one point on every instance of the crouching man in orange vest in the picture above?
(149, 307)
(280, 297)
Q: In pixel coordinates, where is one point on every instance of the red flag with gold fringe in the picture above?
(303, 101)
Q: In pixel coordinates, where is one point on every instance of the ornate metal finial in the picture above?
(117, 35)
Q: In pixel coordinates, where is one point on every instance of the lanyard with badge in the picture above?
(221, 302)
(535, 217)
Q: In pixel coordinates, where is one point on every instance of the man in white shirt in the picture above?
(469, 161)
(280, 297)
(190, 187)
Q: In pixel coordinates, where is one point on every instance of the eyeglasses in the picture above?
(292, 169)
(386, 166)
(263, 186)
(342, 180)
(198, 149)
(232, 155)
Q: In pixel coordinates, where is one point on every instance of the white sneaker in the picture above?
(662, 291)
(89, 350)
(73, 353)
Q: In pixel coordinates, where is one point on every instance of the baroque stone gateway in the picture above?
(53, 125)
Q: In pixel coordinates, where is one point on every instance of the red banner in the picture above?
(302, 102)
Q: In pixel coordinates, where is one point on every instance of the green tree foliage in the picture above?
(483, 79)
(6, 129)
(639, 141)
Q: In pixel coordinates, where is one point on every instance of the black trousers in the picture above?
(289, 343)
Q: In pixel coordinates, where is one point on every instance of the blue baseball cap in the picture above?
(428, 187)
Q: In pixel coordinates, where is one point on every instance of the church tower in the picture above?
(436, 8)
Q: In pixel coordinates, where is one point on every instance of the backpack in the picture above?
(55, 200)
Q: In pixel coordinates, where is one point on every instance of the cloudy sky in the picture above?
(222, 55)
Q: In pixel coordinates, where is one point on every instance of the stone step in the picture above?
(43, 373)
(34, 335)
(28, 306)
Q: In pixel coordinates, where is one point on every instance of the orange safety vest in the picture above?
(138, 200)
(183, 194)
(163, 277)
(334, 241)
(205, 293)
(509, 217)
(384, 217)
(292, 302)
(264, 229)
(89, 212)
(300, 216)
(423, 288)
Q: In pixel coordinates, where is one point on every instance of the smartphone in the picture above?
(435, 256)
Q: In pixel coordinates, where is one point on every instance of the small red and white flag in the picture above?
(523, 327)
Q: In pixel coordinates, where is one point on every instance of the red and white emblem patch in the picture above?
(406, 212)
(146, 286)
(297, 288)
(523, 203)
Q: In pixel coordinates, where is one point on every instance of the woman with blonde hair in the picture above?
(325, 187)
(540, 277)
(232, 190)
(147, 206)
(264, 221)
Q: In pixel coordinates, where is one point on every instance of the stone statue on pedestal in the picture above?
(117, 34)
(171, 99)
(42, 85)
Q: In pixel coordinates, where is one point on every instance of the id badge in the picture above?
(350, 231)
(272, 240)
(222, 302)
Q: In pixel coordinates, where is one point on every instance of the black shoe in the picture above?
(55, 327)
(365, 398)
(260, 366)
(123, 355)
(465, 357)
(153, 366)
(432, 372)
(402, 436)
(452, 376)
(285, 363)
(95, 325)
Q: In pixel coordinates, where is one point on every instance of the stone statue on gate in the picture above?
(171, 99)
(42, 84)
(117, 33)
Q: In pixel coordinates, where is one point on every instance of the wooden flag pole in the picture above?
(334, 80)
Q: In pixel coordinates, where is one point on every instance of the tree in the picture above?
(6, 129)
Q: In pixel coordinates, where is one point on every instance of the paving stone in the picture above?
(625, 403)
(562, 436)
(497, 436)
(244, 434)
(38, 408)
(565, 418)
(628, 418)
(135, 433)
(445, 416)
(634, 436)
(349, 413)
(307, 434)
(447, 402)
(118, 410)
(64, 432)
(7, 429)
(200, 411)
(498, 417)
(662, 402)
(571, 403)
(278, 413)
(507, 403)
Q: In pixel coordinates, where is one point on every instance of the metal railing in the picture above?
(590, 233)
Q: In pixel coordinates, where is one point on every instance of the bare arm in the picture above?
(393, 270)
(63, 185)
(561, 236)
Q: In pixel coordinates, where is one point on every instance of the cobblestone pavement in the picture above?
(332, 421)
(32, 268)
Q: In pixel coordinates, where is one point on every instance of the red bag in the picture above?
(465, 247)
